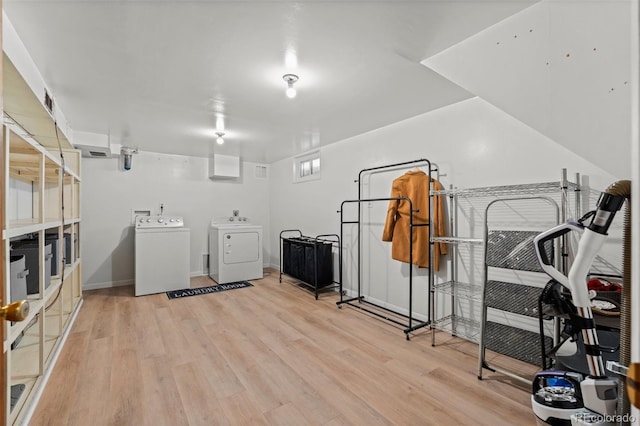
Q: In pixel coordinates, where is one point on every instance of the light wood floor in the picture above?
(269, 354)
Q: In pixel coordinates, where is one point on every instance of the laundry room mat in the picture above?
(178, 294)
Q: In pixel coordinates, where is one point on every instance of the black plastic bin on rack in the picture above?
(308, 260)
(76, 248)
(55, 252)
(66, 249)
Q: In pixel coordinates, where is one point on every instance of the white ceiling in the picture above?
(155, 74)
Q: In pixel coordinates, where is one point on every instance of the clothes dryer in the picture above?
(235, 250)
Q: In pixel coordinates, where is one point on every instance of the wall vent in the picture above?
(48, 102)
(261, 172)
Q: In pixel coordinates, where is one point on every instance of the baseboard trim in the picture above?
(109, 284)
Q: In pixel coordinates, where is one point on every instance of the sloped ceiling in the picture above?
(20, 105)
(561, 67)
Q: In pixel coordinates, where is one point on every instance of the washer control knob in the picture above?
(171, 220)
(148, 220)
(231, 219)
(160, 220)
(141, 220)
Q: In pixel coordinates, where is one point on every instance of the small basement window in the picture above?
(306, 167)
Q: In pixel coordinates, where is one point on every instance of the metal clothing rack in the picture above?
(360, 302)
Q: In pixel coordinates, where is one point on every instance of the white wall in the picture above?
(473, 142)
(181, 184)
(561, 67)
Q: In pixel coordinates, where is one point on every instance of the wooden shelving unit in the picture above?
(42, 201)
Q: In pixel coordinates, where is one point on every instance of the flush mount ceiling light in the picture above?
(290, 79)
(219, 139)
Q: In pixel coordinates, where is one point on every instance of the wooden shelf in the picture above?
(37, 184)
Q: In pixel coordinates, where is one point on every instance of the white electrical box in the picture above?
(224, 166)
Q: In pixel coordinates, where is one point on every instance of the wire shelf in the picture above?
(464, 328)
(509, 190)
(457, 240)
(460, 289)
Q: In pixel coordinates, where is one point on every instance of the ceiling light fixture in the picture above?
(219, 139)
(290, 79)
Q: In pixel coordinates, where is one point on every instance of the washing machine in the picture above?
(162, 254)
(235, 250)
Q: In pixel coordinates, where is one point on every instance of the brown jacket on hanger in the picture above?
(414, 184)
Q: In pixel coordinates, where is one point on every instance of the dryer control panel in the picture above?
(159, 222)
(230, 220)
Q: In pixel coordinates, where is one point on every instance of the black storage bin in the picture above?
(308, 260)
(29, 248)
(297, 259)
(322, 274)
(55, 252)
(66, 247)
(286, 256)
(293, 257)
(76, 248)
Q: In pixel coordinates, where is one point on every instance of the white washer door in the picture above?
(240, 247)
